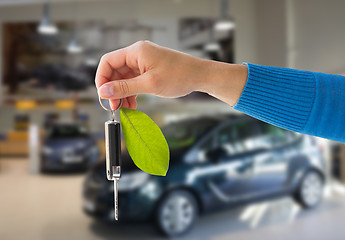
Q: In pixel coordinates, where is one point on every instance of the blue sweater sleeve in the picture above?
(301, 101)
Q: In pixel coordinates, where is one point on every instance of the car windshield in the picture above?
(185, 133)
(69, 131)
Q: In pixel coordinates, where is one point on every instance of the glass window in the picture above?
(236, 138)
(204, 148)
(185, 133)
(272, 136)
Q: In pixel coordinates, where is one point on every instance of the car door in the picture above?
(270, 164)
(221, 180)
(237, 161)
(226, 177)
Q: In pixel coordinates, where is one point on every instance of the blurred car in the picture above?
(215, 163)
(68, 147)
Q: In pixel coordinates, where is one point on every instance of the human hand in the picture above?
(145, 67)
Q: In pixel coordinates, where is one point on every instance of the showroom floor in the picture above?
(49, 207)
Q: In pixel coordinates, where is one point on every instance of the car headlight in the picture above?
(47, 150)
(130, 181)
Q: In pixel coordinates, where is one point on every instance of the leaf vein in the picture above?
(153, 156)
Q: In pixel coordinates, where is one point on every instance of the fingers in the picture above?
(115, 104)
(129, 102)
(132, 100)
(126, 87)
(118, 76)
(125, 58)
(122, 59)
(110, 62)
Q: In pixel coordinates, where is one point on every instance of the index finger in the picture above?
(108, 63)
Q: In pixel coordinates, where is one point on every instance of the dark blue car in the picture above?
(215, 163)
(69, 147)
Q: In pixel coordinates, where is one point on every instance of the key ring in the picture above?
(110, 110)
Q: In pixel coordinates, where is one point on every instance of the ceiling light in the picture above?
(212, 47)
(225, 22)
(46, 26)
(91, 62)
(74, 47)
(224, 25)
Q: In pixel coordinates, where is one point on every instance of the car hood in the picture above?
(75, 144)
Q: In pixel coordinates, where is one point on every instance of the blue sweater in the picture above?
(307, 102)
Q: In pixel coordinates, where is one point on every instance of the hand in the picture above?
(145, 67)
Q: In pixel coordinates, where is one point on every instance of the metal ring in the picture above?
(107, 109)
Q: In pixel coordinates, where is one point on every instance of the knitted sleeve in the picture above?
(301, 101)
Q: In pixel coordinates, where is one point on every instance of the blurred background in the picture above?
(230, 176)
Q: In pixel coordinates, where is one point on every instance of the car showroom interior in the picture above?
(230, 176)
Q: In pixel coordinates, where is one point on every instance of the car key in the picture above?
(113, 153)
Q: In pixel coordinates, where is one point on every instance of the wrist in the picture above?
(224, 81)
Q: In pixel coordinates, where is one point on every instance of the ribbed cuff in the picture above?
(279, 96)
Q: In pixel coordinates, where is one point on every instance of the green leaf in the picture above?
(145, 142)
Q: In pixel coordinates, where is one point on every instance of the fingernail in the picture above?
(106, 91)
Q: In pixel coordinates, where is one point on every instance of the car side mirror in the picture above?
(191, 157)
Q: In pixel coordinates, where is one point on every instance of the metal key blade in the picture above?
(116, 210)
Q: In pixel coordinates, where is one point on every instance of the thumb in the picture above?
(124, 88)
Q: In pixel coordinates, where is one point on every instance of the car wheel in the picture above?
(310, 189)
(177, 213)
